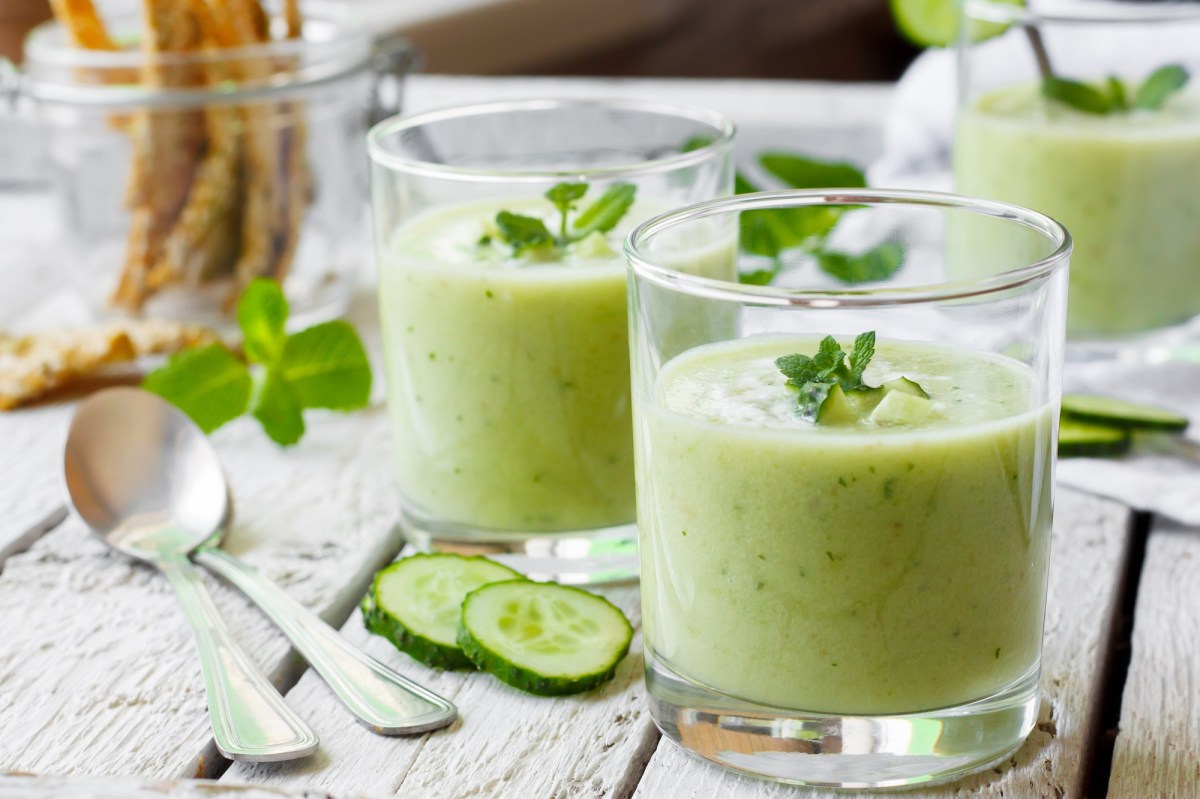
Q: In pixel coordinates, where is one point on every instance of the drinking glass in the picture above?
(855, 601)
(508, 368)
(1122, 178)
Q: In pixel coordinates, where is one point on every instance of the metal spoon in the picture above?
(136, 477)
(159, 452)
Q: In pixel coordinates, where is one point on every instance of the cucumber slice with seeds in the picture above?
(1119, 413)
(416, 604)
(1086, 438)
(543, 638)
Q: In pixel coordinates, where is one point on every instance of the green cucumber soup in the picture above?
(508, 377)
(1124, 185)
(864, 568)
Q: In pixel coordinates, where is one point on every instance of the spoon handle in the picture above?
(386, 702)
(250, 720)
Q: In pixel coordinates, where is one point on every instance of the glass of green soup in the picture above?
(502, 294)
(845, 491)
(1090, 112)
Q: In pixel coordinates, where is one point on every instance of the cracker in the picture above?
(32, 366)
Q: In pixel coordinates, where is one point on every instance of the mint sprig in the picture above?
(816, 376)
(771, 232)
(324, 366)
(524, 233)
(1113, 96)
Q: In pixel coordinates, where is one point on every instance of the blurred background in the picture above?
(840, 40)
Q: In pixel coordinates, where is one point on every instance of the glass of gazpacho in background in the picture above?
(502, 292)
(845, 494)
(1090, 112)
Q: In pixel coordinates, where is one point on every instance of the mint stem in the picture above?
(1040, 53)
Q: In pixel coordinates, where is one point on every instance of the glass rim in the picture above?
(1111, 12)
(713, 288)
(721, 124)
(51, 69)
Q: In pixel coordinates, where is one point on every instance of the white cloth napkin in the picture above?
(1162, 473)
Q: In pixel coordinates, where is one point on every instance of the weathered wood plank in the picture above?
(30, 464)
(97, 670)
(35, 787)
(506, 743)
(30, 439)
(1158, 746)
(1089, 548)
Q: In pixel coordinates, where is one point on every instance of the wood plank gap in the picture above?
(30, 536)
(1116, 659)
(638, 767)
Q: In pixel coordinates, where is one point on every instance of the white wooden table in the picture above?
(101, 695)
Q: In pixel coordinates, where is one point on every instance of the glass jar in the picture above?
(1052, 116)
(182, 177)
(844, 586)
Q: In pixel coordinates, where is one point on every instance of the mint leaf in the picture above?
(563, 197)
(801, 369)
(770, 231)
(275, 406)
(326, 366)
(604, 214)
(1080, 96)
(696, 143)
(1161, 84)
(523, 232)
(208, 384)
(873, 265)
(262, 312)
(864, 351)
(1116, 93)
(815, 376)
(799, 172)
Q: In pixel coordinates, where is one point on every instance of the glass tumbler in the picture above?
(1056, 114)
(504, 316)
(844, 577)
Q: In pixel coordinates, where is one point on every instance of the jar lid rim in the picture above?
(57, 71)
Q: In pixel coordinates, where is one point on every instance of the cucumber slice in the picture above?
(934, 23)
(848, 407)
(901, 408)
(1086, 438)
(1119, 413)
(906, 386)
(543, 638)
(416, 603)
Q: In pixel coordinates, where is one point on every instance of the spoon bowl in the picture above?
(142, 475)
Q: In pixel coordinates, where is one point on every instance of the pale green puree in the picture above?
(864, 568)
(1124, 185)
(508, 378)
